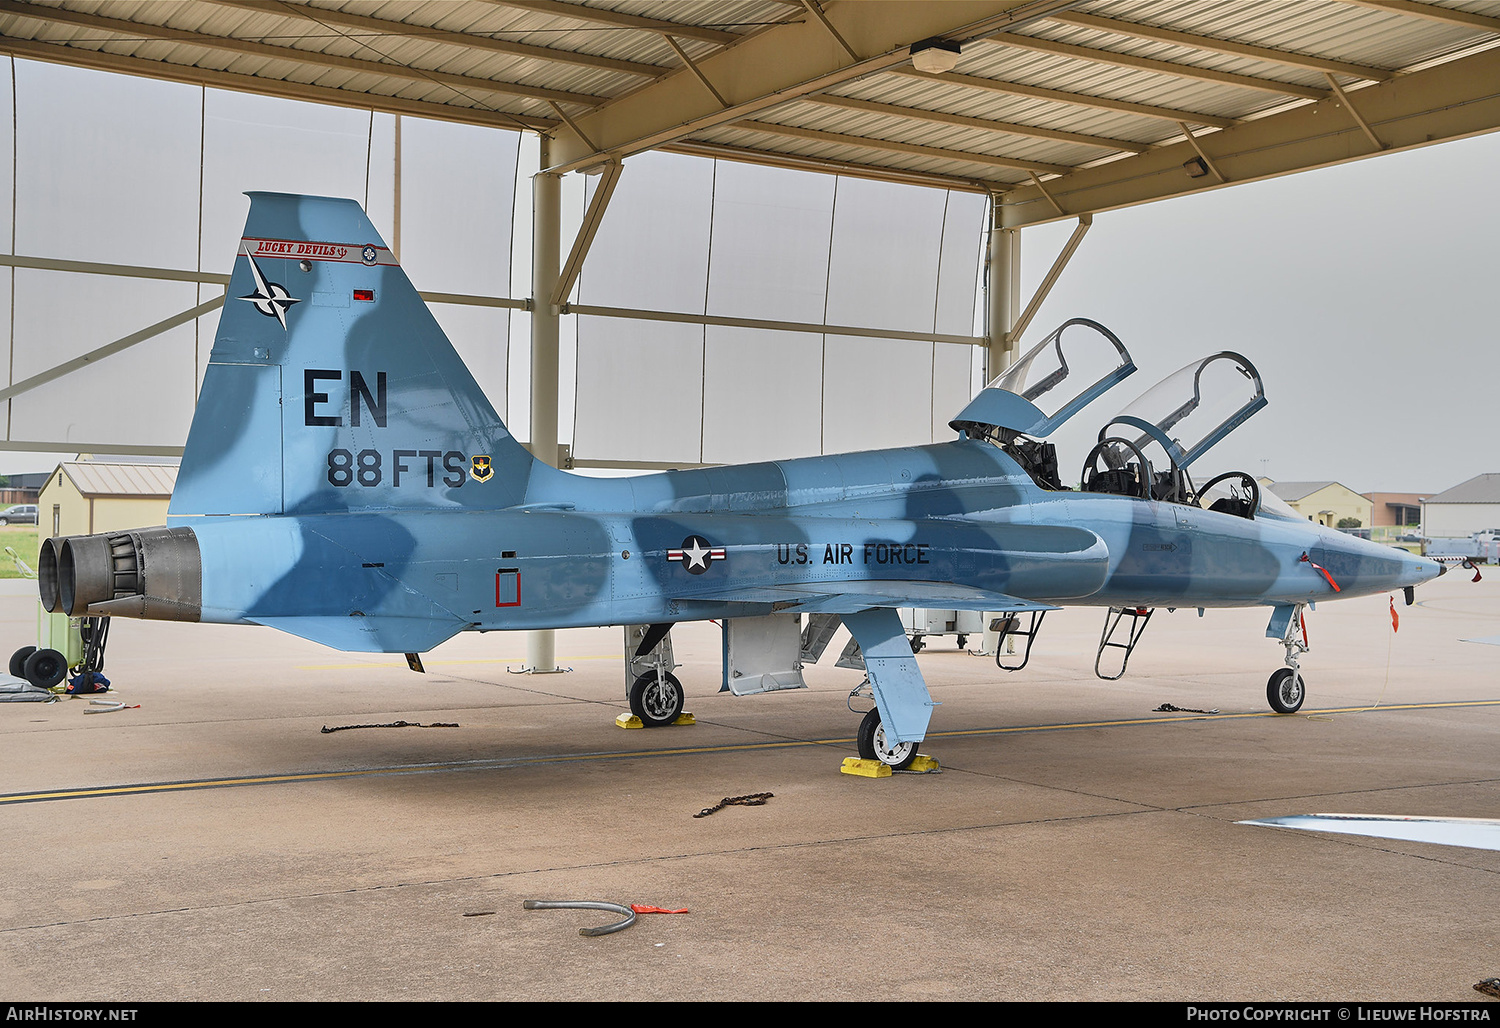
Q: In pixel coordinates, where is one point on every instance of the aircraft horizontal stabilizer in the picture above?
(1470, 832)
(851, 596)
(369, 634)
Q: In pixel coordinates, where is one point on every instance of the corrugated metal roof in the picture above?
(1058, 87)
(103, 478)
(1294, 491)
(1479, 489)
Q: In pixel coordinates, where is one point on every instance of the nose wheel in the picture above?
(1285, 690)
(873, 745)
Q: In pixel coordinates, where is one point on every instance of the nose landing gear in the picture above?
(1286, 688)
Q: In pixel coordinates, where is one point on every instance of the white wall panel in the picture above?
(640, 390)
(952, 385)
(7, 153)
(876, 393)
(143, 395)
(479, 335)
(886, 242)
(120, 185)
(785, 246)
(958, 270)
(651, 251)
(458, 186)
(771, 232)
(764, 395)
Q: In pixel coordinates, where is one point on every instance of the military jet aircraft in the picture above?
(346, 481)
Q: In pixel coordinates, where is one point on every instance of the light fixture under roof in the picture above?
(934, 56)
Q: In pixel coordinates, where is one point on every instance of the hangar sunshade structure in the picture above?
(1054, 109)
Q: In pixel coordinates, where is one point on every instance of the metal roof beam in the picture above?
(1443, 102)
(618, 19)
(907, 148)
(467, 41)
(1483, 22)
(1186, 71)
(697, 71)
(1221, 46)
(227, 44)
(943, 118)
(816, 10)
(827, 165)
(102, 61)
(780, 64)
(1077, 99)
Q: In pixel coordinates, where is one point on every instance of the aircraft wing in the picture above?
(372, 634)
(849, 597)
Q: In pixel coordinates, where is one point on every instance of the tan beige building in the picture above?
(1327, 503)
(83, 497)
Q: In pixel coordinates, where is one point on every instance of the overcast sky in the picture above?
(1366, 295)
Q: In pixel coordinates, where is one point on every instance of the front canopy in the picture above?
(1040, 391)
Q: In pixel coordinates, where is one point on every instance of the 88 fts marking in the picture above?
(417, 468)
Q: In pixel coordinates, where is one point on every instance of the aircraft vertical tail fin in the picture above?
(331, 387)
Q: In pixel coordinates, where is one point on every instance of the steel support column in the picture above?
(546, 236)
(1002, 291)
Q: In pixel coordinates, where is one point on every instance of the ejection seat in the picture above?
(1178, 420)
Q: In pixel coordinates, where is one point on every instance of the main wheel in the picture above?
(45, 668)
(1285, 690)
(916, 643)
(657, 701)
(18, 661)
(873, 745)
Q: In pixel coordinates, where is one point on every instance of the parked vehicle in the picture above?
(20, 514)
(1481, 546)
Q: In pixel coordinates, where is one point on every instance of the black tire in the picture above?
(45, 668)
(963, 640)
(1286, 690)
(18, 661)
(4, 521)
(872, 745)
(657, 703)
(916, 644)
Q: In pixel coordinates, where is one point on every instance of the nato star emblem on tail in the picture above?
(270, 298)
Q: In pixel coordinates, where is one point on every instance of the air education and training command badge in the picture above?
(480, 468)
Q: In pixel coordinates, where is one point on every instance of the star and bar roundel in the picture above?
(696, 554)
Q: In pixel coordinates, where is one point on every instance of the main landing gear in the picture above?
(873, 745)
(656, 697)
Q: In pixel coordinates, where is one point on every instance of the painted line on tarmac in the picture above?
(148, 788)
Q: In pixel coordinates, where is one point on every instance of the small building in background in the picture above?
(1396, 516)
(83, 497)
(1469, 507)
(1327, 503)
(22, 488)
